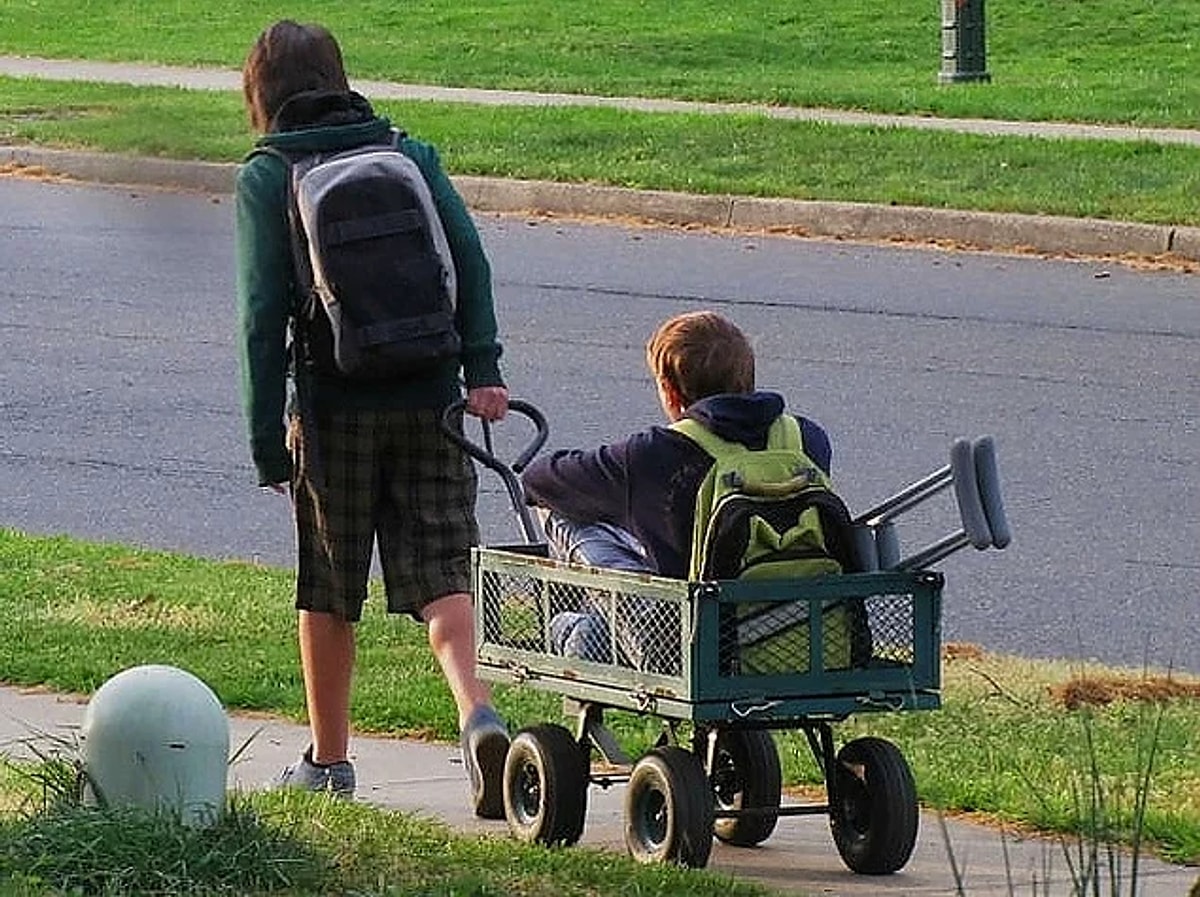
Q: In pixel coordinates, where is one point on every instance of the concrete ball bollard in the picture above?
(156, 737)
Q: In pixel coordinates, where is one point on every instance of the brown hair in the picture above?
(701, 354)
(289, 58)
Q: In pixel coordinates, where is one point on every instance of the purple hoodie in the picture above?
(648, 482)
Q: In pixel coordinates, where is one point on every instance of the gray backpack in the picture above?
(373, 264)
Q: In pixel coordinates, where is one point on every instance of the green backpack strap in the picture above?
(784, 433)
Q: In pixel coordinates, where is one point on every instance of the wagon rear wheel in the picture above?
(545, 785)
(874, 815)
(746, 775)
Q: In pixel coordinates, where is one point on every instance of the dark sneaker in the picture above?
(336, 778)
(484, 747)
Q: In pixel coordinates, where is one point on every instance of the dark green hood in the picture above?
(319, 121)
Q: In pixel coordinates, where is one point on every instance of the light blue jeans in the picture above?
(594, 544)
(643, 639)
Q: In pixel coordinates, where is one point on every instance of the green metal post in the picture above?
(964, 54)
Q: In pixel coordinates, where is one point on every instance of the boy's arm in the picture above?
(816, 444)
(263, 257)
(584, 485)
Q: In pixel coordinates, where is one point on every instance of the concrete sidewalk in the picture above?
(799, 858)
(839, 220)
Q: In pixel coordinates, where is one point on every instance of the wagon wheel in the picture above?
(545, 785)
(668, 809)
(874, 816)
(745, 775)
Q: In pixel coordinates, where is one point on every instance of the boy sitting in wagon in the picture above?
(645, 503)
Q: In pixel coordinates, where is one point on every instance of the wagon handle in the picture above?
(452, 427)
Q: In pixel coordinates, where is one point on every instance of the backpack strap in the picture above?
(784, 433)
(299, 260)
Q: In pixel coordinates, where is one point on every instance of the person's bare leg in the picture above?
(484, 738)
(327, 658)
(451, 624)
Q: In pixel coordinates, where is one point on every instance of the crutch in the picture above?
(973, 474)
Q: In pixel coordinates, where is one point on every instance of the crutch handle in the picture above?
(973, 474)
(988, 477)
(966, 492)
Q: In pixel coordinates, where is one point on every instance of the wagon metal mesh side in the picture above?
(763, 652)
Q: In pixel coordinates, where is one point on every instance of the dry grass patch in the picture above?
(1098, 691)
(143, 612)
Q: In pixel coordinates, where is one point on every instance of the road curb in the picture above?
(842, 220)
(111, 168)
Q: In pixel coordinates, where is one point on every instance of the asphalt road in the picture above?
(121, 422)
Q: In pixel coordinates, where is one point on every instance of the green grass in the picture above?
(76, 613)
(299, 844)
(92, 851)
(1102, 60)
(742, 155)
(1099, 60)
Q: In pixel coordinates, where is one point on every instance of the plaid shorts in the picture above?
(386, 475)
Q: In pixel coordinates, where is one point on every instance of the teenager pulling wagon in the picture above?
(362, 455)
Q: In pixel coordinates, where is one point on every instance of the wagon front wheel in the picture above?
(545, 785)
(873, 809)
(668, 809)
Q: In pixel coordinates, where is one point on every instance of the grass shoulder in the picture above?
(1048, 60)
(746, 155)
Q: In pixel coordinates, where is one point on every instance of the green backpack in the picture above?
(772, 514)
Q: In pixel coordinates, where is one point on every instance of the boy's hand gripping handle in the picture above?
(452, 427)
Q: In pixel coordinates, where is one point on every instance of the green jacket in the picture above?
(265, 296)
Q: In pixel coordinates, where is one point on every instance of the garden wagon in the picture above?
(671, 652)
